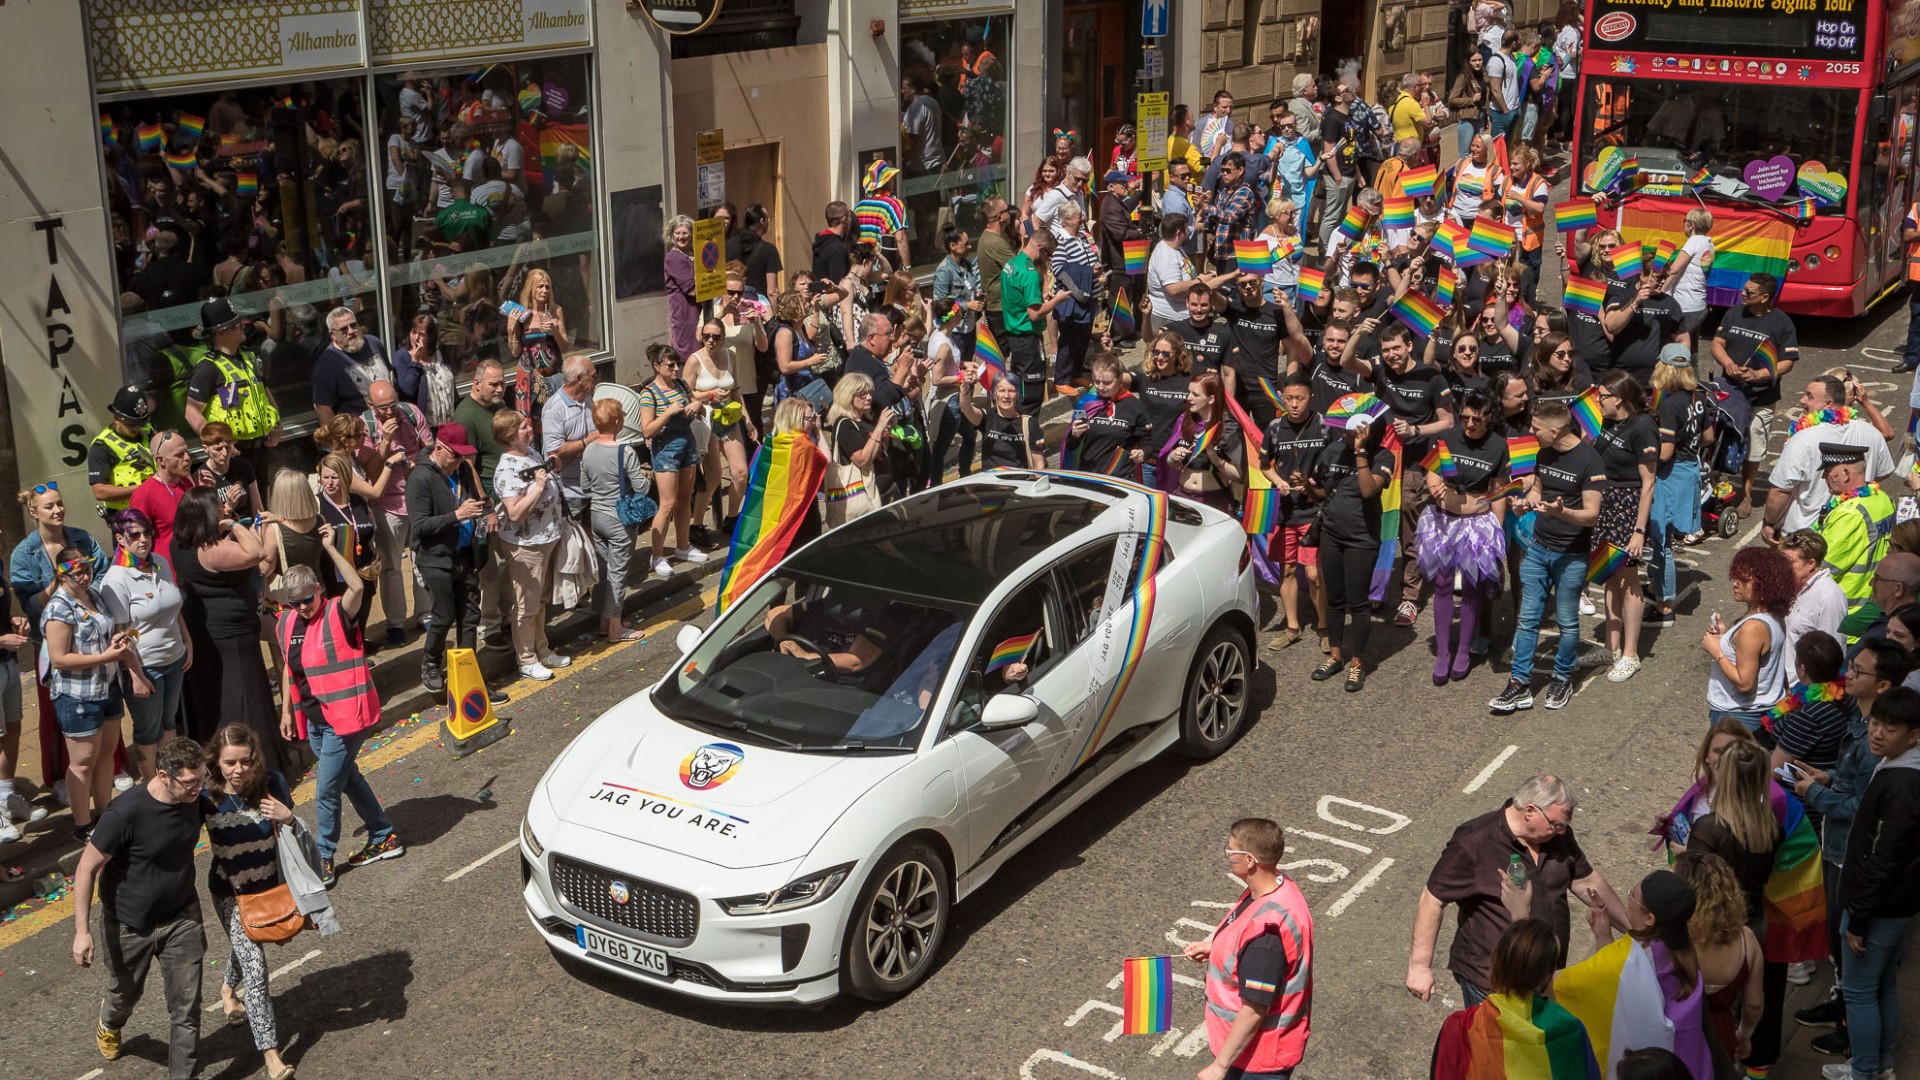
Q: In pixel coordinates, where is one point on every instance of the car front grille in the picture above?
(655, 912)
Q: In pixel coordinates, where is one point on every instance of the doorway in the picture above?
(753, 176)
(1344, 30)
(1094, 88)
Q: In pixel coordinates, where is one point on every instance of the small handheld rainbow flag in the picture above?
(1663, 253)
(1146, 995)
(1603, 562)
(1206, 440)
(1452, 238)
(1444, 285)
(106, 128)
(246, 185)
(1802, 210)
(1440, 459)
(1287, 248)
(1253, 257)
(1523, 455)
(148, 138)
(1354, 225)
(1134, 252)
(1011, 651)
(1575, 214)
(191, 127)
(1419, 183)
(1124, 321)
(1700, 177)
(1343, 412)
(1419, 313)
(1627, 261)
(1490, 237)
(1765, 355)
(1312, 281)
(993, 362)
(182, 159)
(1629, 166)
(1583, 294)
(1397, 213)
(1587, 414)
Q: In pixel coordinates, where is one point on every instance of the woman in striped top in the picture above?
(245, 803)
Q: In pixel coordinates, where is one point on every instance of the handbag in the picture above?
(633, 508)
(271, 915)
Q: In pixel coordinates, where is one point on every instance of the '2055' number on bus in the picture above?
(1843, 69)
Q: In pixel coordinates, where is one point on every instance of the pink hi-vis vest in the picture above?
(335, 671)
(1281, 1039)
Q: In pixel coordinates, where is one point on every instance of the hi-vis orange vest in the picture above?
(1913, 249)
(336, 672)
(1281, 1039)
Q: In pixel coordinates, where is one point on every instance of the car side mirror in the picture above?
(687, 638)
(1008, 710)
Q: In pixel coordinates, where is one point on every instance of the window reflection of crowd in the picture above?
(953, 118)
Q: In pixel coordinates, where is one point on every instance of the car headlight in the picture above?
(794, 894)
(533, 842)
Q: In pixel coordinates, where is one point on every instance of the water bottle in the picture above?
(1516, 871)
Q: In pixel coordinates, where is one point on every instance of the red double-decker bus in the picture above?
(1764, 95)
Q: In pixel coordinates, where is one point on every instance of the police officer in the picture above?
(117, 459)
(227, 385)
(1857, 523)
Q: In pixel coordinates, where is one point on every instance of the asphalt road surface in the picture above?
(439, 974)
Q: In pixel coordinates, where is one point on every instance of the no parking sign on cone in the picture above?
(471, 723)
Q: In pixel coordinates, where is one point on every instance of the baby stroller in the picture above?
(1719, 510)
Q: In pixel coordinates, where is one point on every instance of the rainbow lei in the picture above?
(1804, 694)
(1838, 415)
(1870, 488)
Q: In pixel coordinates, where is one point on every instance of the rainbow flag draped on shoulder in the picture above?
(1510, 1038)
(1625, 996)
(787, 474)
(1389, 520)
(1795, 896)
(1260, 512)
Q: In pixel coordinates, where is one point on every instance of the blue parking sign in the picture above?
(1154, 17)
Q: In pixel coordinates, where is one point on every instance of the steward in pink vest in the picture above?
(1259, 964)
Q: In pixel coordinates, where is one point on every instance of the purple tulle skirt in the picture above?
(1475, 546)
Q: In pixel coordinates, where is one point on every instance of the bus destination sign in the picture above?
(1791, 30)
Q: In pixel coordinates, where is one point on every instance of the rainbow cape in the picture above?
(1419, 183)
(1604, 561)
(1253, 257)
(1260, 511)
(1510, 1038)
(1523, 455)
(1741, 246)
(1354, 224)
(1440, 459)
(787, 474)
(1134, 255)
(1389, 520)
(1624, 995)
(1397, 213)
(1124, 321)
(1444, 284)
(1795, 895)
(1583, 294)
(1012, 651)
(1575, 214)
(1312, 281)
(993, 362)
(1146, 994)
(1587, 414)
(1419, 313)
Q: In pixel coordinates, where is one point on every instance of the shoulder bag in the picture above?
(271, 916)
(633, 508)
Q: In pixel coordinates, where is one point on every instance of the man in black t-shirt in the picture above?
(1287, 452)
(1327, 380)
(1208, 338)
(141, 854)
(749, 245)
(1256, 364)
(1743, 330)
(1565, 499)
(1638, 320)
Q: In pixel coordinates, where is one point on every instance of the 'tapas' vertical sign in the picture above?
(58, 328)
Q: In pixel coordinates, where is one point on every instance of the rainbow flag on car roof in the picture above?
(1743, 245)
(787, 473)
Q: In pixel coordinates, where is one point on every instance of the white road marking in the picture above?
(1211, 904)
(1333, 871)
(276, 974)
(482, 860)
(1366, 882)
(1166, 1042)
(1753, 532)
(1334, 840)
(1028, 1066)
(1395, 822)
(91, 1075)
(1113, 1033)
(1486, 774)
(1178, 942)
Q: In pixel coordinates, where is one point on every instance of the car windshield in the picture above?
(813, 665)
(1675, 127)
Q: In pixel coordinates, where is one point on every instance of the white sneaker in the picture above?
(19, 809)
(1844, 1071)
(555, 660)
(1800, 973)
(693, 555)
(9, 832)
(536, 672)
(662, 568)
(123, 783)
(1586, 605)
(1623, 669)
(60, 793)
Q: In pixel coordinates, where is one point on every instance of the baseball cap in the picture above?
(1676, 354)
(1119, 176)
(454, 438)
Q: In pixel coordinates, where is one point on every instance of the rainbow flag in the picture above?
(1523, 455)
(1575, 214)
(1445, 284)
(1587, 414)
(183, 159)
(1629, 166)
(531, 99)
(148, 137)
(1583, 294)
(1451, 239)
(1260, 512)
(1383, 574)
(1312, 281)
(1440, 459)
(1743, 245)
(1354, 225)
(993, 362)
(1663, 254)
(1795, 895)
(1802, 210)
(1617, 994)
(555, 136)
(787, 473)
(1146, 994)
(1765, 355)
(1012, 651)
(1511, 1038)
(106, 128)
(1207, 439)
(1397, 213)
(1286, 248)
(1491, 238)
(1253, 257)
(1124, 321)
(1628, 260)
(1700, 177)
(1135, 254)
(190, 126)
(1604, 561)
(1419, 313)
(246, 185)
(1419, 183)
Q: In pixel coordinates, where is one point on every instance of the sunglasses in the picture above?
(135, 534)
(710, 337)
(42, 489)
(736, 292)
(344, 327)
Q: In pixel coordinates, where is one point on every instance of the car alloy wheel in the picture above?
(1217, 688)
(898, 924)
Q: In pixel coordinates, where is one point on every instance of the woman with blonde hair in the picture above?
(1681, 410)
(529, 531)
(903, 293)
(1728, 949)
(537, 339)
(354, 534)
(1284, 279)
(1687, 273)
(856, 447)
(713, 372)
(683, 311)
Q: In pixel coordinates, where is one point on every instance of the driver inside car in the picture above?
(851, 640)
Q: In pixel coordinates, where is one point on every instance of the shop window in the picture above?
(260, 195)
(955, 125)
(488, 177)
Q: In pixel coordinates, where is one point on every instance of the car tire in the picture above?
(891, 945)
(1219, 688)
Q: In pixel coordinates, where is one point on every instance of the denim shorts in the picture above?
(675, 453)
(83, 719)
